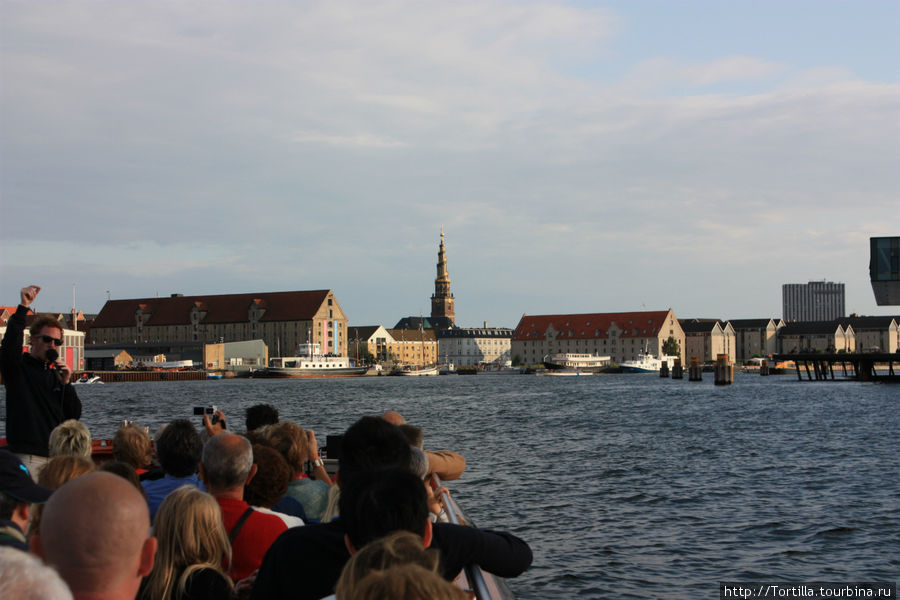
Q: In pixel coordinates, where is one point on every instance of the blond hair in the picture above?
(191, 537)
(398, 548)
(290, 440)
(332, 509)
(71, 437)
(57, 471)
(410, 582)
(132, 445)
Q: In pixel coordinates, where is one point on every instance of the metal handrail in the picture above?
(473, 571)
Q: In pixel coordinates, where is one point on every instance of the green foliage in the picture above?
(670, 347)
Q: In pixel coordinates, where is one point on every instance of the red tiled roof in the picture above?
(412, 335)
(591, 326)
(224, 308)
(11, 310)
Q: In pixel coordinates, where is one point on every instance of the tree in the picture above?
(356, 348)
(670, 347)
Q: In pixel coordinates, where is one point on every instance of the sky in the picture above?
(579, 156)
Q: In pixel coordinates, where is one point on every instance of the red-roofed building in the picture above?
(621, 336)
(283, 320)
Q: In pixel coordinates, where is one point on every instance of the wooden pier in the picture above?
(117, 376)
(820, 366)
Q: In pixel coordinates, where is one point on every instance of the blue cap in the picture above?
(15, 480)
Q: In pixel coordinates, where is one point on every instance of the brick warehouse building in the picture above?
(180, 325)
(621, 336)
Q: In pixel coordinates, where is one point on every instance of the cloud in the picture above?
(286, 145)
(661, 71)
(361, 140)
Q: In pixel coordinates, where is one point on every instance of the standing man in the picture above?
(38, 393)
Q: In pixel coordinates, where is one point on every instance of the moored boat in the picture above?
(565, 373)
(309, 363)
(413, 371)
(499, 369)
(584, 363)
(447, 369)
(646, 363)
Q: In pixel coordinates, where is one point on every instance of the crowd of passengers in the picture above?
(213, 514)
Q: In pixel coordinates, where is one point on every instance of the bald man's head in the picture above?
(393, 417)
(95, 532)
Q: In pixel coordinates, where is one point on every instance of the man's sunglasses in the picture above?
(51, 340)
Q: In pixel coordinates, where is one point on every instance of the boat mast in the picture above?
(74, 310)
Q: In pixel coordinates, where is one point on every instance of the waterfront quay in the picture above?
(862, 366)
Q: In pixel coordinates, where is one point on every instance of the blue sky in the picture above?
(581, 156)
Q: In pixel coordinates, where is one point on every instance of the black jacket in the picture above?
(305, 562)
(36, 401)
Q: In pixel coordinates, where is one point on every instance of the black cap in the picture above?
(15, 480)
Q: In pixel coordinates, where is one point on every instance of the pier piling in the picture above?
(677, 370)
(695, 372)
(724, 370)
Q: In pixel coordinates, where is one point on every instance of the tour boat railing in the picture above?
(473, 572)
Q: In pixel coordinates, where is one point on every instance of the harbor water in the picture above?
(626, 486)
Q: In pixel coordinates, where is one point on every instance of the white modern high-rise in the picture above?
(813, 301)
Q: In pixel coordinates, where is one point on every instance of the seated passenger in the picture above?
(95, 533)
(260, 415)
(178, 448)
(193, 553)
(226, 467)
(269, 484)
(305, 562)
(410, 582)
(18, 492)
(446, 464)
(58, 471)
(70, 438)
(132, 445)
(396, 549)
(24, 577)
(298, 446)
(125, 471)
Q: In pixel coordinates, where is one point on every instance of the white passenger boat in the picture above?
(646, 363)
(565, 373)
(309, 363)
(413, 371)
(584, 363)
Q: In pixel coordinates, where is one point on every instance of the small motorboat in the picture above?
(85, 379)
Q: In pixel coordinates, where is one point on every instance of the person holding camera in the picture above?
(39, 395)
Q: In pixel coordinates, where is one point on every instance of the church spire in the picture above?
(442, 300)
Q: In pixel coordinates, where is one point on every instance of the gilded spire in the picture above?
(442, 300)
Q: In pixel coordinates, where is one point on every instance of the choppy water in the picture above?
(626, 486)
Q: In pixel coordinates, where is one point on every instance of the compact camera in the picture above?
(207, 410)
